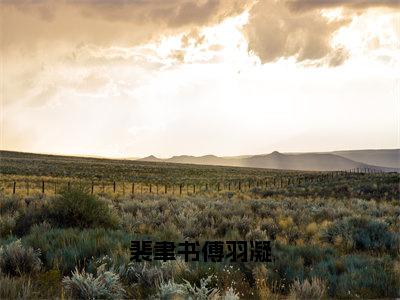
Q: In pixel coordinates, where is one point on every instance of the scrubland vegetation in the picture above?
(338, 238)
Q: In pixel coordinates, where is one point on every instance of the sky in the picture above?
(132, 78)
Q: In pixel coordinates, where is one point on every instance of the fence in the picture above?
(190, 188)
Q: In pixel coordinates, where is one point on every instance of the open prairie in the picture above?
(332, 234)
(199, 149)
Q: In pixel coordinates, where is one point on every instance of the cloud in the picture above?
(105, 23)
(193, 38)
(41, 37)
(275, 31)
(338, 57)
(303, 5)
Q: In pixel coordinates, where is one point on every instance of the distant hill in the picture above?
(205, 160)
(305, 161)
(380, 160)
(389, 158)
(151, 158)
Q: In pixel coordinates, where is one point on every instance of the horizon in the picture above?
(197, 156)
(132, 79)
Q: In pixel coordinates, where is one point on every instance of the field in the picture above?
(67, 223)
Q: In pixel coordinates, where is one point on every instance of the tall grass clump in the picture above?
(15, 287)
(66, 248)
(16, 260)
(314, 289)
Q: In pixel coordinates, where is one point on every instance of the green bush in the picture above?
(362, 234)
(367, 277)
(77, 208)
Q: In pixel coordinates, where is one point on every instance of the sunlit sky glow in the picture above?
(135, 78)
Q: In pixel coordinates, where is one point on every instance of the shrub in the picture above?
(30, 217)
(171, 290)
(10, 204)
(174, 268)
(48, 284)
(260, 280)
(17, 260)
(230, 294)
(143, 274)
(367, 277)
(244, 225)
(203, 292)
(77, 208)
(362, 234)
(292, 263)
(314, 289)
(7, 225)
(105, 285)
(270, 227)
(256, 234)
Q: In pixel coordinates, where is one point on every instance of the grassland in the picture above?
(333, 234)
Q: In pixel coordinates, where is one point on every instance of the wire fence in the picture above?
(53, 186)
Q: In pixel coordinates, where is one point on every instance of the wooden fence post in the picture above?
(92, 187)
(165, 189)
(194, 189)
(133, 188)
(240, 185)
(180, 189)
(123, 188)
(114, 186)
(14, 184)
(42, 186)
(150, 188)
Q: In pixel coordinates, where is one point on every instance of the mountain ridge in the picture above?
(308, 161)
